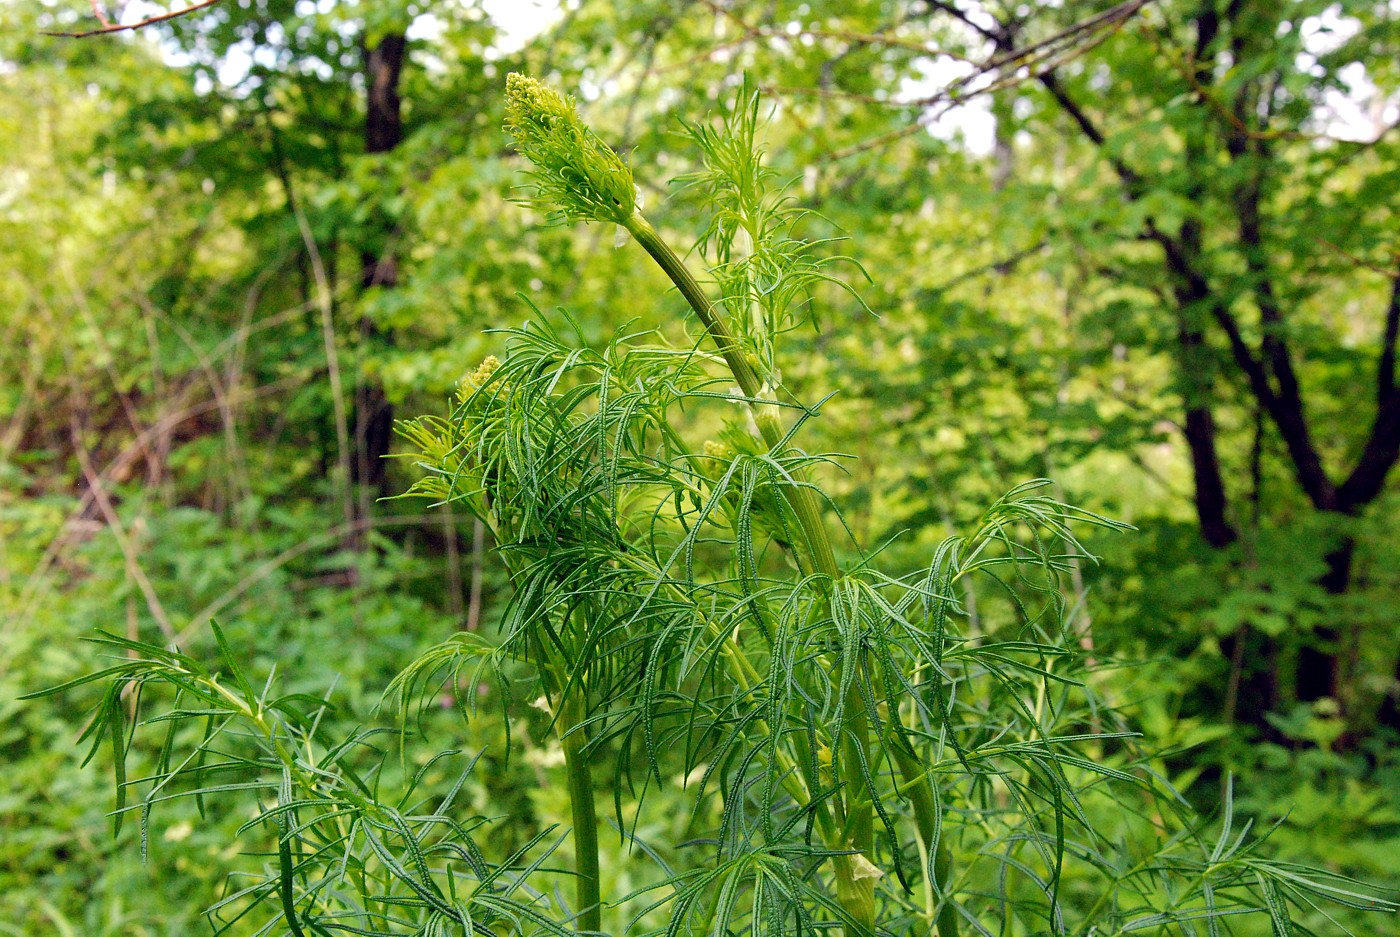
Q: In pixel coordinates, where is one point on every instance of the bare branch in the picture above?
(1002, 266)
(109, 27)
(1382, 447)
(1009, 66)
(1285, 405)
(965, 19)
(130, 550)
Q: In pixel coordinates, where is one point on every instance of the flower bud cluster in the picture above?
(720, 450)
(478, 378)
(483, 372)
(578, 174)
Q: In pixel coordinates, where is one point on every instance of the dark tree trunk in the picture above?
(374, 414)
(1196, 379)
(1389, 713)
(1210, 487)
(1320, 663)
(383, 65)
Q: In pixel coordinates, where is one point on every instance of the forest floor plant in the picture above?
(857, 756)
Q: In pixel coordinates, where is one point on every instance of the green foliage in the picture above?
(349, 856)
(686, 576)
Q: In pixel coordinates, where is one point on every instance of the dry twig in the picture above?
(107, 26)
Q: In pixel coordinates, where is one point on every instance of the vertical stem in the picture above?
(1232, 684)
(454, 562)
(926, 822)
(325, 302)
(856, 892)
(478, 574)
(855, 874)
(800, 497)
(573, 738)
(570, 709)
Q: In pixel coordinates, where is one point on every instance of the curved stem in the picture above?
(800, 496)
(855, 888)
(744, 374)
(855, 874)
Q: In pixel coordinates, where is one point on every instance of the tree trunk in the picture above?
(374, 414)
(1319, 663)
(1210, 487)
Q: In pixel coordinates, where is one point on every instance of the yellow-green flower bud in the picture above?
(579, 175)
(478, 378)
(720, 450)
(483, 371)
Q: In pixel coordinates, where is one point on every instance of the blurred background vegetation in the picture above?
(1150, 251)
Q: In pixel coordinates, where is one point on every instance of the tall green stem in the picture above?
(855, 874)
(679, 274)
(926, 822)
(573, 738)
(855, 885)
(585, 179)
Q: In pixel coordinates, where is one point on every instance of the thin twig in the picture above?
(110, 27)
(478, 574)
(454, 562)
(36, 579)
(956, 93)
(1038, 58)
(114, 524)
(326, 304)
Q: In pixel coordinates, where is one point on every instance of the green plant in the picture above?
(858, 753)
(828, 692)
